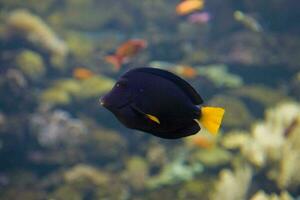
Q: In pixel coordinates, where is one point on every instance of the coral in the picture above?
(156, 155)
(261, 195)
(83, 181)
(105, 145)
(31, 64)
(295, 86)
(63, 91)
(258, 93)
(31, 28)
(174, 172)
(220, 76)
(235, 109)
(233, 185)
(80, 46)
(235, 139)
(95, 87)
(55, 96)
(195, 189)
(85, 174)
(274, 145)
(66, 192)
(57, 127)
(136, 172)
(213, 157)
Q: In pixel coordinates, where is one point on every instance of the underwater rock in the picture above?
(235, 109)
(31, 64)
(56, 128)
(21, 24)
(261, 195)
(233, 185)
(136, 172)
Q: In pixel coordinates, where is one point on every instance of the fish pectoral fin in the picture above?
(148, 116)
(153, 118)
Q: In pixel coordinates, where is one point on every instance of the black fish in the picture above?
(159, 102)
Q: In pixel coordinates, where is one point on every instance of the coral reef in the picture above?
(233, 185)
(261, 195)
(174, 172)
(213, 157)
(136, 172)
(56, 142)
(64, 91)
(274, 145)
(31, 64)
(220, 76)
(56, 128)
(33, 30)
(235, 109)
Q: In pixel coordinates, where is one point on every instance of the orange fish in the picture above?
(188, 6)
(186, 71)
(81, 73)
(202, 141)
(125, 52)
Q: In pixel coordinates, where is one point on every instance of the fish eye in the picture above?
(121, 84)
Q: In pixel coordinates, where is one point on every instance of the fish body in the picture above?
(155, 101)
(81, 73)
(248, 21)
(199, 18)
(189, 6)
(184, 71)
(125, 52)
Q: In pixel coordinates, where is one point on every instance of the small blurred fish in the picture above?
(185, 71)
(189, 6)
(202, 141)
(180, 70)
(125, 52)
(161, 103)
(248, 21)
(81, 73)
(199, 18)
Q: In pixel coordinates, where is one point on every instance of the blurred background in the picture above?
(58, 143)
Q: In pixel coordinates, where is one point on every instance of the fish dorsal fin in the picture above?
(182, 84)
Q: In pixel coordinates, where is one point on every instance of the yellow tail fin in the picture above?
(211, 118)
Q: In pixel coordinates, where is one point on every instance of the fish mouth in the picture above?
(111, 107)
(124, 105)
